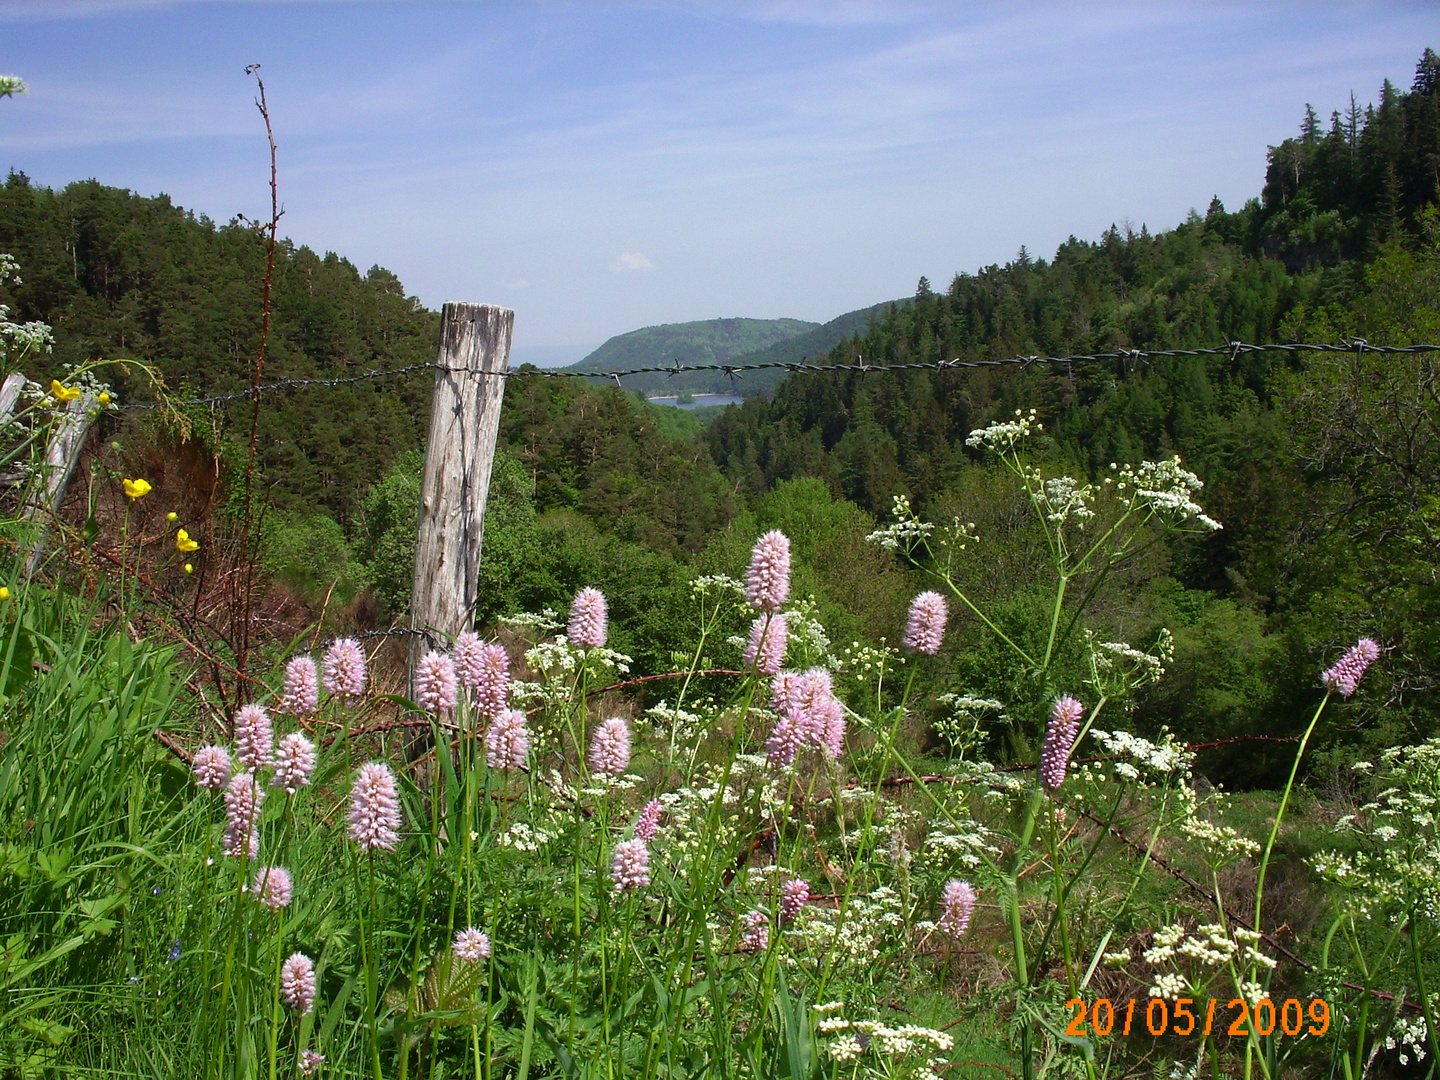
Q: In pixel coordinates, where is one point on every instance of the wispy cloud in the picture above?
(631, 260)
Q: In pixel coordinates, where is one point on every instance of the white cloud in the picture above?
(632, 260)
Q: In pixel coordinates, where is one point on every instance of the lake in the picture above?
(701, 400)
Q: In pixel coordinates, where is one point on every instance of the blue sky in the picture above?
(604, 166)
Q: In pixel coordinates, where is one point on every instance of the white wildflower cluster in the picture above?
(1061, 500)
(1409, 1035)
(545, 622)
(853, 935)
(1208, 946)
(686, 829)
(717, 585)
(968, 713)
(1116, 668)
(1142, 761)
(863, 660)
(1398, 864)
(914, 1051)
(809, 645)
(17, 339)
(1221, 843)
(559, 659)
(967, 846)
(1169, 986)
(523, 837)
(907, 530)
(1004, 436)
(1164, 489)
(1117, 959)
(672, 722)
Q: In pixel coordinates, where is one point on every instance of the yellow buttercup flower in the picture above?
(184, 544)
(61, 392)
(189, 569)
(103, 400)
(172, 516)
(4, 593)
(136, 489)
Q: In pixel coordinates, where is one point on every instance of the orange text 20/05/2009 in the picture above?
(1187, 1017)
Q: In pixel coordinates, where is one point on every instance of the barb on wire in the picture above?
(1232, 349)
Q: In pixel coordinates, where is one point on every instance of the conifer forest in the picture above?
(1051, 719)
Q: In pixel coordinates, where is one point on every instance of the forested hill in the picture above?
(710, 341)
(123, 275)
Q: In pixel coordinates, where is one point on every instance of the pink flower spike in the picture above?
(507, 742)
(957, 904)
(302, 688)
(297, 983)
(467, 651)
(610, 748)
(1060, 735)
(243, 799)
(374, 808)
(630, 865)
(756, 937)
(588, 614)
(471, 945)
(793, 895)
(344, 672)
(310, 1062)
(294, 763)
(767, 582)
(492, 681)
(435, 682)
(212, 767)
(766, 650)
(784, 743)
(925, 629)
(1345, 676)
(254, 737)
(648, 821)
(273, 887)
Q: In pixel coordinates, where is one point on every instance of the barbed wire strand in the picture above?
(1233, 350)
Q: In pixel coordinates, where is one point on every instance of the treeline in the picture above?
(1323, 469)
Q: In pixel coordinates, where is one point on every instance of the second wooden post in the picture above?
(464, 424)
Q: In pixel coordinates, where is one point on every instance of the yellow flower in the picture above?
(136, 489)
(103, 400)
(4, 593)
(184, 544)
(172, 516)
(189, 569)
(61, 392)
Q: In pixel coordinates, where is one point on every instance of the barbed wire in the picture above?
(1233, 349)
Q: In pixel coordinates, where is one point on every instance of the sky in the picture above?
(604, 166)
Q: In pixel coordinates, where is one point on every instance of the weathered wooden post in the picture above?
(43, 500)
(10, 395)
(464, 423)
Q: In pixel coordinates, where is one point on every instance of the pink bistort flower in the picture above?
(793, 895)
(492, 681)
(243, 799)
(957, 903)
(648, 821)
(925, 629)
(344, 670)
(756, 937)
(297, 983)
(273, 887)
(471, 945)
(588, 614)
(254, 737)
(766, 649)
(507, 742)
(630, 865)
(294, 763)
(1345, 676)
(767, 581)
(1060, 735)
(212, 767)
(610, 748)
(310, 1062)
(435, 682)
(301, 696)
(374, 808)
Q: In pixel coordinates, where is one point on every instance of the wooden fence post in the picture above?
(10, 396)
(464, 423)
(43, 500)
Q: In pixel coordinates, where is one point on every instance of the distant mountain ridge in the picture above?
(725, 341)
(705, 342)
